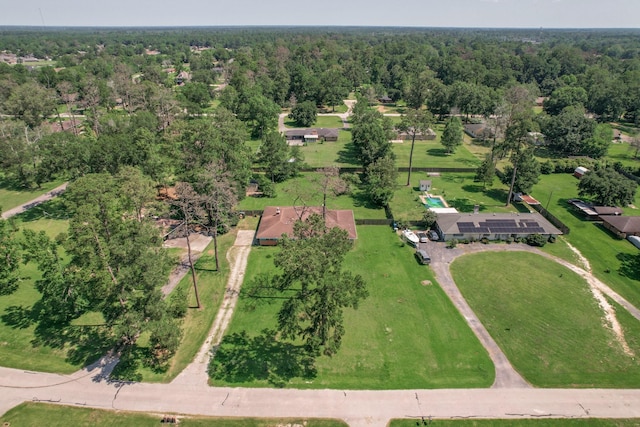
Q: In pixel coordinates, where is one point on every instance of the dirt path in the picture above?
(196, 373)
(198, 244)
(35, 202)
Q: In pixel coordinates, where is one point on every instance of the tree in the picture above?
(566, 96)
(218, 197)
(10, 258)
(568, 132)
(381, 178)
(429, 218)
(276, 154)
(415, 122)
(190, 206)
(31, 103)
(608, 187)
(311, 265)
(526, 170)
(486, 172)
(329, 182)
(370, 134)
(304, 113)
(452, 135)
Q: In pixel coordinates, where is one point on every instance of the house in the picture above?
(183, 77)
(493, 226)
(478, 130)
(312, 134)
(580, 171)
(594, 213)
(276, 221)
(622, 226)
(429, 135)
(384, 99)
(425, 185)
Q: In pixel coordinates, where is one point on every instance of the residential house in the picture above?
(493, 226)
(276, 221)
(429, 135)
(622, 226)
(312, 134)
(478, 130)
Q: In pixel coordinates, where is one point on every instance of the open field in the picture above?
(546, 320)
(12, 195)
(611, 259)
(41, 414)
(624, 153)
(301, 190)
(405, 335)
(321, 122)
(546, 422)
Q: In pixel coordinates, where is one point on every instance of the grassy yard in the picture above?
(624, 153)
(458, 189)
(302, 190)
(405, 335)
(611, 259)
(546, 422)
(40, 414)
(12, 195)
(321, 122)
(547, 322)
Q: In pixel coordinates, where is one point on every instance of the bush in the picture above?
(452, 243)
(484, 241)
(536, 240)
(547, 168)
(551, 239)
(178, 306)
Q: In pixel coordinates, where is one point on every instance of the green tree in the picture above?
(275, 154)
(486, 172)
(569, 131)
(608, 187)
(10, 258)
(452, 135)
(381, 178)
(415, 122)
(370, 134)
(526, 170)
(311, 265)
(566, 96)
(429, 218)
(31, 103)
(304, 113)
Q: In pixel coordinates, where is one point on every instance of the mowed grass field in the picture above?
(546, 422)
(404, 335)
(41, 414)
(546, 320)
(11, 195)
(612, 260)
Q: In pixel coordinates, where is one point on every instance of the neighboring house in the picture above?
(183, 77)
(478, 130)
(429, 135)
(276, 221)
(622, 226)
(493, 226)
(385, 99)
(312, 134)
(594, 213)
(425, 185)
(580, 171)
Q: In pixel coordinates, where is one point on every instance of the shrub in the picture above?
(484, 241)
(551, 239)
(547, 168)
(536, 240)
(452, 243)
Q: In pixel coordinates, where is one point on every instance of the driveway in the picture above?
(35, 202)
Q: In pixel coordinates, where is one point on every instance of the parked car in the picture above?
(423, 256)
(422, 236)
(433, 235)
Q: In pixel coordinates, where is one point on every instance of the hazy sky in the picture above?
(415, 13)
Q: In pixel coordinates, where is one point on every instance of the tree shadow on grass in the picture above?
(84, 344)
(52, 209)
(437, 152)
(348, 155)
(241, 359)
(629, 265)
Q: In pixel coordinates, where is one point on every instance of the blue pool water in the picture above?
(434, 202)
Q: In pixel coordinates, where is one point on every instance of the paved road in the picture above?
(35, 202)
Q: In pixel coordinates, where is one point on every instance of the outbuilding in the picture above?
(580, 171)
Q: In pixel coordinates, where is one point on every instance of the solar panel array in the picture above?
(501, 226)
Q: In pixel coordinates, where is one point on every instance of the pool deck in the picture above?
(425, 196)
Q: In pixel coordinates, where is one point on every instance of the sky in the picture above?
(405, 13)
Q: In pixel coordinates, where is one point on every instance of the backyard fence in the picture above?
(552, 219)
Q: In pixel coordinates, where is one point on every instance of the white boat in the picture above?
(410, 237)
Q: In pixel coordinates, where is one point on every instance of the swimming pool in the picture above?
(434, 202)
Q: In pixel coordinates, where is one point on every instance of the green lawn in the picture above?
(12, 195)
(321, 122)
(624, 153)
(405, 335)
(41, 414)
(546, 422)
(301, 190)
(547, 322)
(611, 259)
(458, 189)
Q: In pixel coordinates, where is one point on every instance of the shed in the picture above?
(580, 171)
(425, 185)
